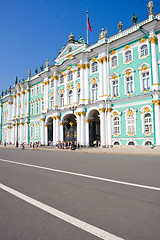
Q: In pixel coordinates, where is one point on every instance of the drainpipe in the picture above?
(140, 29)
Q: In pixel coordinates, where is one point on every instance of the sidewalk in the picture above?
(142, 150)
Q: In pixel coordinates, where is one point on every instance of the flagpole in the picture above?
(87, 25)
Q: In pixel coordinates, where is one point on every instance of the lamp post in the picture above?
(17, 132)
(73, 108)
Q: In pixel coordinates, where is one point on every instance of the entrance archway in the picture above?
(50, 129)
(94, 127)
(69, 128)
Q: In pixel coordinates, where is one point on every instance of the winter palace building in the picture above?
(109, 91)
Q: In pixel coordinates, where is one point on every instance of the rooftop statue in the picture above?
(150, 7)
(120, 26)
(47, 63)
(29, 72)
(103, 34)
(71, 38)
(81, 40)
(134, 18)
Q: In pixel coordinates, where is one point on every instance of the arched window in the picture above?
(116, 143)
(148, 143)
(128, 56)
(131, 124)
(79, 94)
(62, 100)
(148, 123)
(52, 102)
(70, 76)
(94, 67)
(114, 61)
(116, 125)
(70, 97)
(131, 143)
(144, 50)
(78, 72)
(61, 79)
(94, 92)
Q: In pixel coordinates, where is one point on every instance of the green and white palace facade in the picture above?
(109, 91)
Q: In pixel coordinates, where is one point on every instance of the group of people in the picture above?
(64, 144)
(35, 145)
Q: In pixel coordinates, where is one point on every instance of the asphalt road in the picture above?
(119, 208)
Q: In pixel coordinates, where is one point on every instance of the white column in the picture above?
(82, 98)
(21, 131)
(61, 131)
(105, 75)
(83, 143)
(46, 88)
(87, 133)
(153, 41)
(102, 127)
(65, 89)
(27, 131)
(75, 100)
(54, 131)
(13, 132)
(57, 128)
(42, 130)
(109, 120)
(27, 91)
(14, 107)
(100, 67)
(18, 102)
(86, 83)
(78, 128)
(55, 90)
(22, 103)
(46, 134)
(157, 123)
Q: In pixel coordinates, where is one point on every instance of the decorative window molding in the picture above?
(94, 92)
(114, 85)
(130, 117)
(145, 77)
(129, 81)
(143, 50)
(78, 72)
(114, 61)
(127, 55)
(94, 67)
(61, 81)
(147, 119)
(116, 123)
(70, 76)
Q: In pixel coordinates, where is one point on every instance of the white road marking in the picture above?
(84, 175)
(63, 216)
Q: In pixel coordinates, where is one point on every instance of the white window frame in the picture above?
(131, 74)
(37, 90)
(134, 119)
(78, 95)
(42, 104)
(96, 70)
(32, 92)
(78, 72)
(70, 76)
(141, 76)
(124, 56)
(37, 107)
(70, 97)
(42, 88)
(52, 83)
(111, 61)
(31, 131)
(94, 92)
(116, 126)
(140, 45)
(51, 102)
(60, 79)
(61, 98)
(112, 87)
(143, 114)
(32, 109)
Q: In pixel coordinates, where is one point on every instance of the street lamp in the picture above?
(73, 108)
(17, 132)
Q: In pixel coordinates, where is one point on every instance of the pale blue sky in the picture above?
(32, 31)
